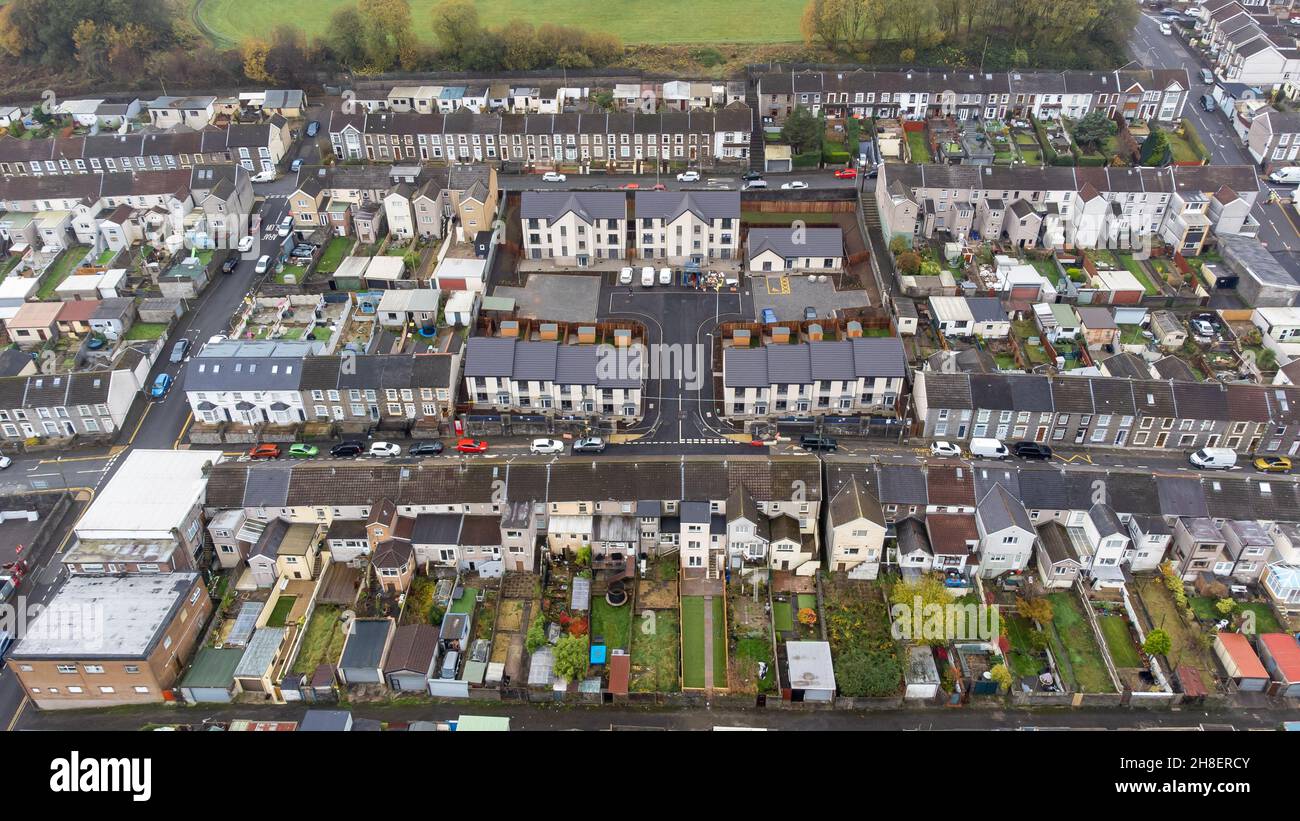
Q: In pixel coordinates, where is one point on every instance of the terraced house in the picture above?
(918, 94)
(548, 379)
(1108, 411)
(839, 378)
(614, 141)
(55, 406)
(1050, 206)
(687, 226)
(573, 228)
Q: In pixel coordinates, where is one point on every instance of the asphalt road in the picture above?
(580, 182)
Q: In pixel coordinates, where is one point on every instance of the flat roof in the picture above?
(175, 483)
(809, 663)
(106, 616)
(389, 268)
(482, 723)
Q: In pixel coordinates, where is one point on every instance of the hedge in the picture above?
(810, 160)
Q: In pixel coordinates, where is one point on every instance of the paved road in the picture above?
(534, 182)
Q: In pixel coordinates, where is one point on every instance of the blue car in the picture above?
(161, 385)
(769, 316)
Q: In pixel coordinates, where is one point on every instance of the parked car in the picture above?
(630, 186)
(1031, 450)
(665, 276)
(303, 251)
(552, 176)
(246, 244)
(1214, 458)
(179, 350)
(263, 176)
(945, 450)
(1207, 102)
(752, 184)
(814, 442)
(625, 276)
(589, 444)
(988, 448)
(809, 313)
(750, 176)
(267, 451)
(217, 338)
(659, 187)
(385, 450)
(230, 263)
(349, 448)
(1202, 328)
(796, 185)
(1286, 176)
(768, 316)
(1273, 464)
(263, 264)
(295, 165)
(1207, 76)
(303, 451)
(5, 461)
(647, 277)
(1165, 28)
(161, 384)
(449, 663)
(471, 446)
(688, 176)
(285, 228)
(546, 446)
(426, 449)
(846, 174)
(313, 128)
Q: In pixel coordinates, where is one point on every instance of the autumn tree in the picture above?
(1158, 643)
(254, 53)
(1037, 609)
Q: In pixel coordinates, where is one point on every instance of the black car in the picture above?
(750, 176)
(229, 263)
(426, 449)
(1031, 450)
(812, 442)
(347, 449)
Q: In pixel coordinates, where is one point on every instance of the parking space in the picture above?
(788, 296)
(556, 297)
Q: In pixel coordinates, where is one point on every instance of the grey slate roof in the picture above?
(436, 529)
(365, 646)
(587, 205)
(542, 362)
(668, 205)
(1105, 520)
(986, 309)
(816, 242)
(999, 510)
(804, 363)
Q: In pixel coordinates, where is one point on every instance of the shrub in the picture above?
(909, 263)
(536, 636)
(1158, 643)
(807, 617)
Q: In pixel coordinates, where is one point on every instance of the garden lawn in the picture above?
(145, 331)
(655, 653)
(334, 254)
(60, 270)
(1024, 662)
(1265, 621)
(920, 149)
(1135, 268)
(614, 624)
(1119, 641)
(465, 604)
(782, 615)
(757, 650)
(281, 611)
(710, 21)
(693, 667)
(1074, 644)
(323, 643)
(1186, 647)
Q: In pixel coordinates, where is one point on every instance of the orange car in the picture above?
(264, 452)
(629, 186)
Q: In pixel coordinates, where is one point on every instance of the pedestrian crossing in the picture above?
(700, 441)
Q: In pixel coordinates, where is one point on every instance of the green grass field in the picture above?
(671, 21)
(1119, 641)
(693, 643)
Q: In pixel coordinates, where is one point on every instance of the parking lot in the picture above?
(788, 296)
(556, 297)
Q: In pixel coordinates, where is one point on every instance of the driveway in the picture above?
(556, 297)
(787, 296)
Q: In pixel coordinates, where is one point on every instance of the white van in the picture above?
(647, 277)
(988, 449)
(1287, 176)
(1214, 458)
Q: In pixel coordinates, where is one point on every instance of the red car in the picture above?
(847, 173)
(660, 187)
(629, 186)
(264, 452)
(471, 446)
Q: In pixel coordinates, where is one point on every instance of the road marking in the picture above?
(22, 705)
(140, 424)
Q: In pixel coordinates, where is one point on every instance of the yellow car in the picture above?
(1273, 464)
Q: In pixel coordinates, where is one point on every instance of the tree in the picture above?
(925, 594)
(1093, 129)
(803, 131)
(1039, 640)
(908, 262)
(536, 635)
(254, 53)
(571, 654)
(1158, 643)
(899, 244)
(456, 26)
(1225, 606)
(1001, 675)
(345, 36)
(1035, 609)
(1155, 149)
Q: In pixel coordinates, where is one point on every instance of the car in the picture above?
(552, 176)
(263, 264)
(647, 277)
(5, 462)
(264, 176)
(1273, 464)
(546, 446)
(349, 448)
(589, 444)
(267, 451)
(1202, 328)
(755, 184)
(303, 451)
(945, 450)
(215, 338)
(1207, 76)
(1286, 176)
(600, 186)
(179, 350)
(303, 251)
(295, 165)
(231, 262)
(659, 187)
(750, 176)
(285, 228)
(812, 441)
(6, 643)
(1207, 102)
(385, 450)
(1165, 28)
(797, 185)
(625, 276)
(665, 276)
(846, 174)
(313, 128)
(426, 449)
(471, 446)
(688, 176)
(1031, 450)
(631, 186)
(161, 384)
(809, 313)
(246, 244)
(768, 316)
